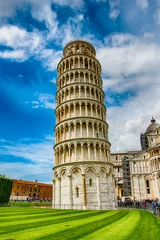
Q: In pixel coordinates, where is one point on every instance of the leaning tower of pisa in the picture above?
(83, 172)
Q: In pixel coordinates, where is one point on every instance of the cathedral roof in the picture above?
(153, 126)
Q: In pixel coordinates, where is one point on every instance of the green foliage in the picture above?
(5, 189)
(48, 224)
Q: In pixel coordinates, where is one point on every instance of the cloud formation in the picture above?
(38, 153)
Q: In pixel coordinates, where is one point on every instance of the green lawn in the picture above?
(34, 223)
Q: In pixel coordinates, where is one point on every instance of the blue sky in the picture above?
(33, 33)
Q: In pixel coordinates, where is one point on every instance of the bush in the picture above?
(5, 189)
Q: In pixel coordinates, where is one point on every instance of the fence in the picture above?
(82, 207)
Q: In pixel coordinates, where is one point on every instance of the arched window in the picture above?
(77, 192)
(90, 182)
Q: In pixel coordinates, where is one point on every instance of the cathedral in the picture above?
(86, 174)
(137, 173)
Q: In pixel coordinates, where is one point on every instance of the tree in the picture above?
(5, 188)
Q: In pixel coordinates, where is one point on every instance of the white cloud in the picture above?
(114, 14)
(22, 43)
(132, 118)
(49, 58)
(45, 100)
(114, 8)
(157, 16)
(25, 44)
(130, 64)
(70, 3)
(142, 4)
(54, 80)
(18, 55)
(8, 8)
(40, 154)
(129, 55)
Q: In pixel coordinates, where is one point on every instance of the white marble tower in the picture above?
(83, 172)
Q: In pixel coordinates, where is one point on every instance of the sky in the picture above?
(33, 33)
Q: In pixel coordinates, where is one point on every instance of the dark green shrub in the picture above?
(5, 189)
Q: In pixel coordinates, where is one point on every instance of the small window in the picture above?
(77, 192)
(134, 162)
(148, 190)
(151, 139)
(118, 169)
(90, 182)
(147, 183)
(116, 158)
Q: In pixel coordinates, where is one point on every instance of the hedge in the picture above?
(5, 189)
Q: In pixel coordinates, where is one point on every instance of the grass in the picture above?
(30, 204)
(21, 223)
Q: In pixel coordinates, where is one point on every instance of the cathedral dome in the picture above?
(153, 126)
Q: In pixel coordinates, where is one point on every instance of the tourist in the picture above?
(154, 207)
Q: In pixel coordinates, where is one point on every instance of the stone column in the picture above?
(70, 191)
(53, 194)
(84, 77)
(59, 192)
(64, 153)
(93, 131)
(64, 132)
(69, 150)
(74, 105)
(98, 192)
(85, 92)
(86, 105)
(69, 67)
(95, 152)
(84, 190)
(100, 150)
(74, 130)
(89, 153)
(156, 187)
(139, 189)
(82, 151)
(91, 110)
(87, 128)
(75, 152)
(79, 76)
(83, 62)
(81, 133)
(89, 78)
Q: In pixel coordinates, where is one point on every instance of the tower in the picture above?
(83, 172)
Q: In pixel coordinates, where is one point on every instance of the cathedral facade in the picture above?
(137, 173)
(83, 170)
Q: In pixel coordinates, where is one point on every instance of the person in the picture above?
(154, 207)
(145, 205)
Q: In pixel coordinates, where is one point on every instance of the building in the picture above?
(21, 190)
(141, 168)
(83, 170)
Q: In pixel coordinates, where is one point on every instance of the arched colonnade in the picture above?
(69, 63)
(81, 129)
(75, 76)
(81, 151)
(80, 109)
(79, 91)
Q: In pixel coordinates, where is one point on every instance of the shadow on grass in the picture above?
(21, 226)
(86, 229)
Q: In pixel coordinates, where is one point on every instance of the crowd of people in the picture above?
(144, 204)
